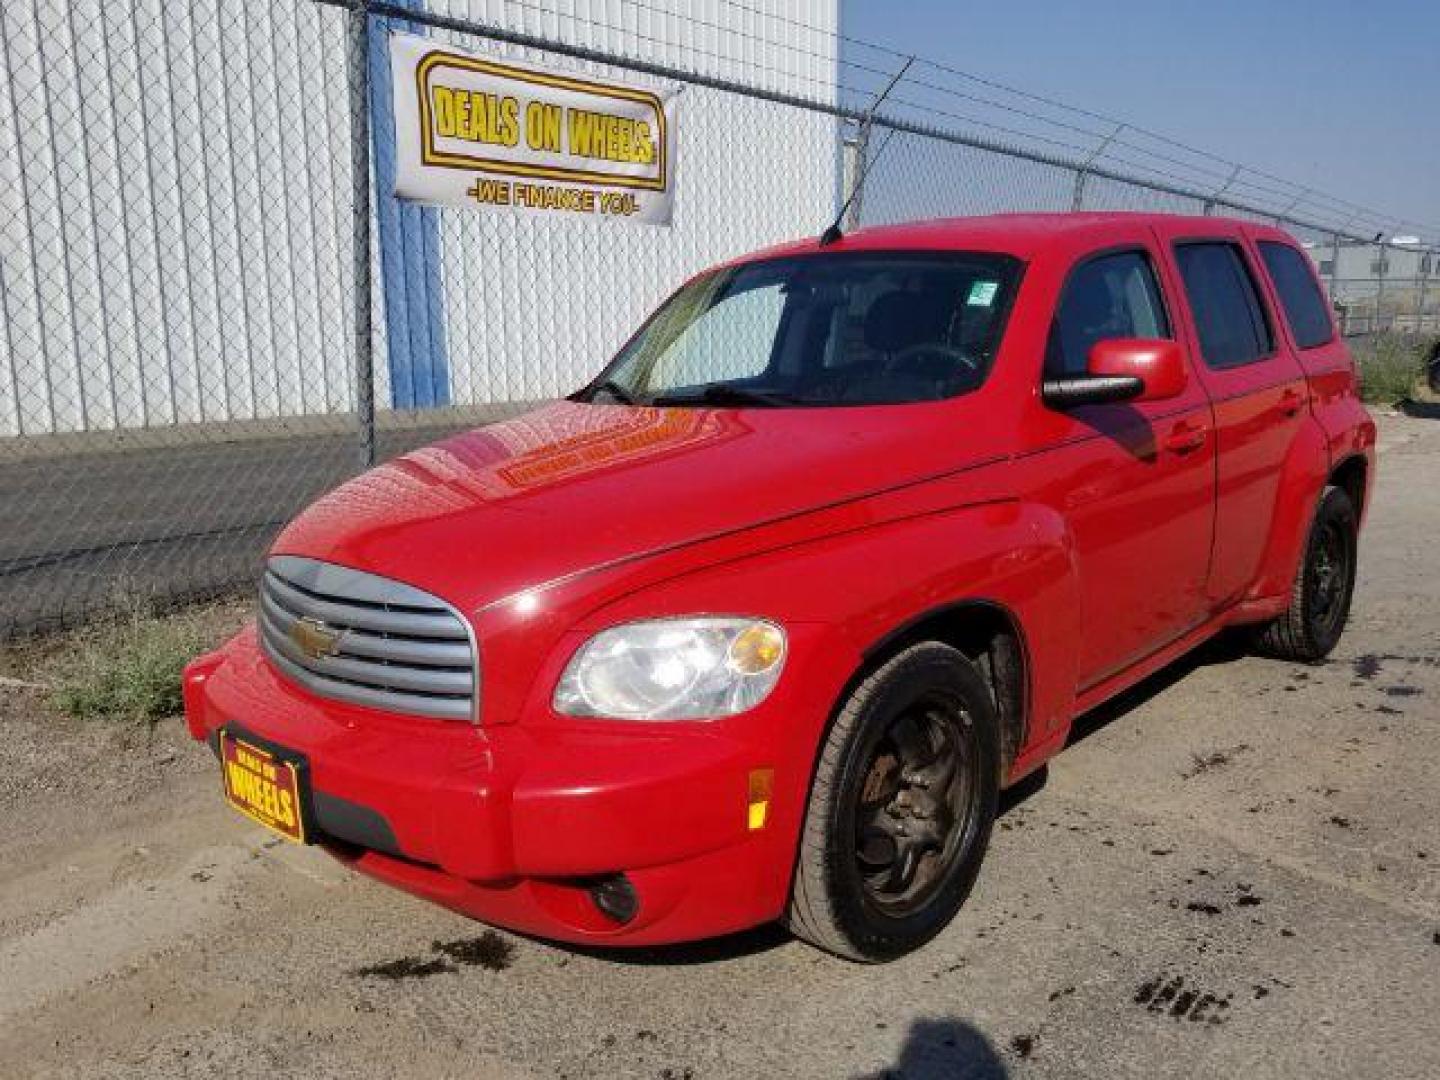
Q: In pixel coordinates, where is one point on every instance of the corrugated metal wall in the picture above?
(175, 215)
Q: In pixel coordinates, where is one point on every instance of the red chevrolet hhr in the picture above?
(757, 625)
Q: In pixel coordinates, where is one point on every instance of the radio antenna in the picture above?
(834, 232)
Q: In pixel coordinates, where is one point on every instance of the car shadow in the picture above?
(736, 946)
(1123, 424)
(1224, 648)
(942, 1048)
(1421, 410)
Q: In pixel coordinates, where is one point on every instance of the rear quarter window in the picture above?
(1229, 315)
(1304, 305)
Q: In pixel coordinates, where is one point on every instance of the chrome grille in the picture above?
(364, 639)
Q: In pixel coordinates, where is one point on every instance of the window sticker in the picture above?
(982, 293)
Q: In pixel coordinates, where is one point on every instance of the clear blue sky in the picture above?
(1344, 97)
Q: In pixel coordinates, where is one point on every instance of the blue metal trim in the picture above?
(409, 251)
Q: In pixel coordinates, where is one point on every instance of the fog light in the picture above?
(615, 897)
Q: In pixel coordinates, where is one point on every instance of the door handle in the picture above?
(1185, 438)
(1291, 402)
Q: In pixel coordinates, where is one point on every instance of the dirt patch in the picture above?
(1367, 666)
(1402, 691)
(1216, 759)
(489, 951)
(406, 967)
(1168, 995)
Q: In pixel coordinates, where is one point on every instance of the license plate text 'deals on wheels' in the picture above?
(262, 786)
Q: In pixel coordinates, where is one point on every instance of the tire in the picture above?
(1432, 370)
(877, 809)
(1324, 586)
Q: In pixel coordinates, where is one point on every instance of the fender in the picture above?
(874, 583)
(1302, 479)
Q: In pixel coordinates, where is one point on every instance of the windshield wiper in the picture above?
(614, 389)
(727, 394)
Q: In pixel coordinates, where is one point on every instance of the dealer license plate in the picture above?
(264, 786)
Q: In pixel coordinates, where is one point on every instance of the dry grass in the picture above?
(1392, 367)
(125, 668)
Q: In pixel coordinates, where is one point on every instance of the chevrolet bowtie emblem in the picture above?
(315, 639)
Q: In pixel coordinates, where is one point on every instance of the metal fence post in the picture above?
(1420, 303)
(855, 151)
(857, 163)
(359, 62)
(1334, 264)
(1077, 200)
(1335, 281)
(1283, 218)
(1210, 203)
(1380, 289)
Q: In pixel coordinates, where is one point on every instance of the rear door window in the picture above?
(1109, 296)
(1300, 297)
(1229, 316)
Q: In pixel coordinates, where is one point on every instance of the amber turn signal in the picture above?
(762, 782)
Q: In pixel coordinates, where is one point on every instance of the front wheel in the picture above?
(900, 808)
(1320, 599)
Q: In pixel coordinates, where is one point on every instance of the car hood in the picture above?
(573, 487)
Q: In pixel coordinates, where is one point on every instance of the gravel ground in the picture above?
(1233, 872)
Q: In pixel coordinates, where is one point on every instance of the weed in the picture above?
(128, 667)
(1203, 763)
(1391, 366)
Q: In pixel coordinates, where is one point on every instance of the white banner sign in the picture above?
(474, 131)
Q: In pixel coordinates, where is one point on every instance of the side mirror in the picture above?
(1122, 369)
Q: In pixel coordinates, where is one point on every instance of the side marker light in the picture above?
(762, 784)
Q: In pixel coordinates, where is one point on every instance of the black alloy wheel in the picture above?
(900, 808)
(1324, 587)
(918, 798)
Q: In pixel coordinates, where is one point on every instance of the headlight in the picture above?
(674, 669)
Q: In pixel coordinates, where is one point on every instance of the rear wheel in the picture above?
(900, 808)
(1320, 599)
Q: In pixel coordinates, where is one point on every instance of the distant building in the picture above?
(1390, 286)
(1370, 262)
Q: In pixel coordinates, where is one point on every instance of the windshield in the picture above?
(861, 329)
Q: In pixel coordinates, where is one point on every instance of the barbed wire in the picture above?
(1307, 196)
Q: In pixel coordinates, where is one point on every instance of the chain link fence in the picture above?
(212, 309)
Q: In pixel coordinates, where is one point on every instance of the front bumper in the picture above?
(512, 824)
